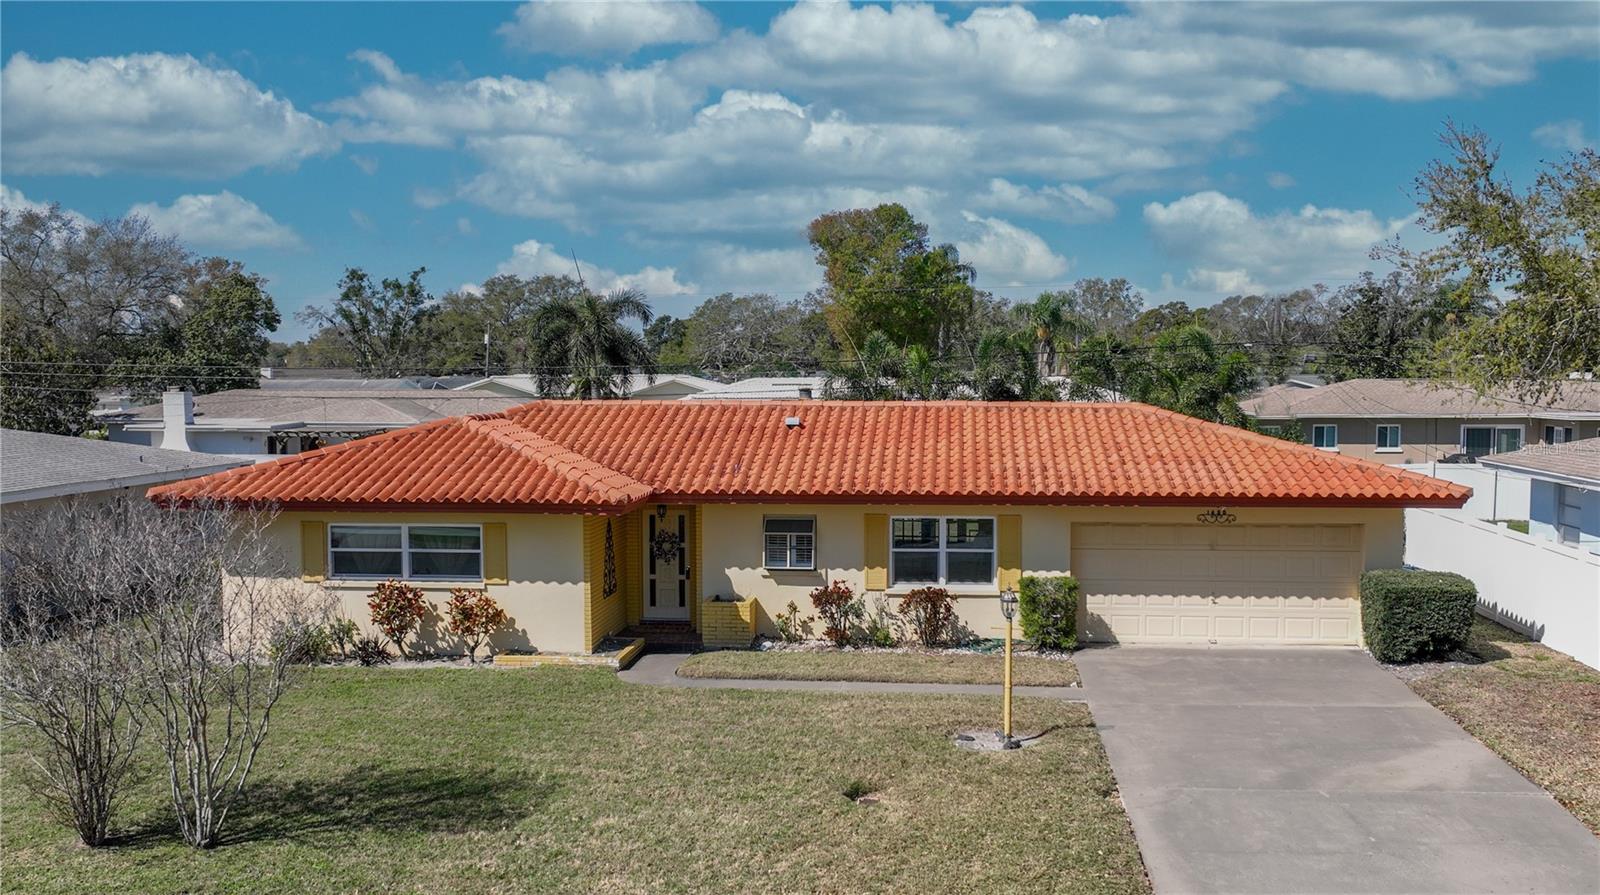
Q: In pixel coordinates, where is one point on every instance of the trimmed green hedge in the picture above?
(1049, 611)
(1409, 614)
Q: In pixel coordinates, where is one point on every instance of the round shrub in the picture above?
(397, 610)
(1410, 614)
(839, 609)
(1048, 608)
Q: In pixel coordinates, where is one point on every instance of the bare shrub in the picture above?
(217, 636)
(66, 661)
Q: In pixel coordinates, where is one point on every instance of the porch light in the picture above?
(1008, 608)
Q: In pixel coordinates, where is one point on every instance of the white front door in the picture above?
(666, 565)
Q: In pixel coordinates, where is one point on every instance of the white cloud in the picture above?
(1008, 255)
(995, 109)
(600, 26)
(1062, 202)
(532, 258)
(464, 226)
(14, 200)
(363, 220)
(222, 220)
(367, 164)
(1279, 180)
(1234, 249)
(148, 113)
(1565, 135)
(786, 273)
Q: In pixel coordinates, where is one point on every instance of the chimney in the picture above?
(177, 415)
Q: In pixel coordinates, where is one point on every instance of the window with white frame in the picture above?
(791, 542)
(1388, 437)
(447, 552)
(941, 550)
(1557, 434)
(1477, 441)
(1325, 436)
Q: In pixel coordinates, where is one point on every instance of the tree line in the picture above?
(897, 315)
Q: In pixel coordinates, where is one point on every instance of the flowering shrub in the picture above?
(838, 607)
(791, 627)
(397, 610)
(472, 615)
(931, 615)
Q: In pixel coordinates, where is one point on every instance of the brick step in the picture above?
(665, 635)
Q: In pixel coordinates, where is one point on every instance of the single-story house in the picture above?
(584, 518)
(664, 386)
(1563, 491)
(265, 423)
(1415, 421)
(767, 388)
(37, 469)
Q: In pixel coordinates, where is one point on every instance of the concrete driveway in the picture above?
(1316, 770)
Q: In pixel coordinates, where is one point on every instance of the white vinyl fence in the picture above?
(1496, 493)
(1549, 591)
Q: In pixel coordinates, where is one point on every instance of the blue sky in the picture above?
(1196, 150)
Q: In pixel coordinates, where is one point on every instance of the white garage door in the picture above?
(1221, 584)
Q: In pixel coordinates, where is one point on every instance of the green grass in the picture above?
(567, 780)
(926, 668)
(1537, 708)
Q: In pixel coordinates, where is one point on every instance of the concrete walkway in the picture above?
(1316, 770)
(661, 670)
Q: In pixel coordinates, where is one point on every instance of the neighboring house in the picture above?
(1564, 494)
(1415, 421)
(585, 518)
(767, 388)
(329, 378)
(639, 386)
(264, 423)
(38, 469)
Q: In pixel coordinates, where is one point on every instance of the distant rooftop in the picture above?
(1571, 460)
(1370, 398)
(767, 388)
(34, 465)
(324, 408)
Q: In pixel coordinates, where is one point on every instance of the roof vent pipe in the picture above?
(177, 415)
(792, 422)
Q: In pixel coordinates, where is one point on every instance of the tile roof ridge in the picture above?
(1309, 450)
(587, 473)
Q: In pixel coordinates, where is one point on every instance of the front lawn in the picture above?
(926, 668)
(567, 780)
(1538, 708)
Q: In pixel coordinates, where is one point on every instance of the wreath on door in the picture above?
(665, 546)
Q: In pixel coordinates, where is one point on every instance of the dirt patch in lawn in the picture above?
(902, 667)
(1539, 709)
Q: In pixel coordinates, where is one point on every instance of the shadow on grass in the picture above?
(369, 797)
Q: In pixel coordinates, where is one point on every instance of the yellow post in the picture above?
(1007, 710)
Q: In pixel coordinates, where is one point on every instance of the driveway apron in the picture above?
(1316, 770)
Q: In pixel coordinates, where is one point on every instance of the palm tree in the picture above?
(584, 346)
(1054, 321)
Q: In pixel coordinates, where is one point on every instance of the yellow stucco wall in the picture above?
(733, 548)
(544, 594)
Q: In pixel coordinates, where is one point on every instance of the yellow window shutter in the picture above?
(313, 551)
(1009, 551)
(494, 553)
(875, 551)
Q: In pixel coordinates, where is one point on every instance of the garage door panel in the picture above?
(1236, 584)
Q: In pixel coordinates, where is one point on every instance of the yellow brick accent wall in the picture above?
(728, 624)
(602, 614)
(633, 564)
(697, 570)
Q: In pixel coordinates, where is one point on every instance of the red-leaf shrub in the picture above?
(397, 610)
(472, 615)
(837, 605)
(931, 615)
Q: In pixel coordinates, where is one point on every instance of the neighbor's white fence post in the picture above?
(1546, 590)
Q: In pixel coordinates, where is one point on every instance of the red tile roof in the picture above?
(604, 456)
